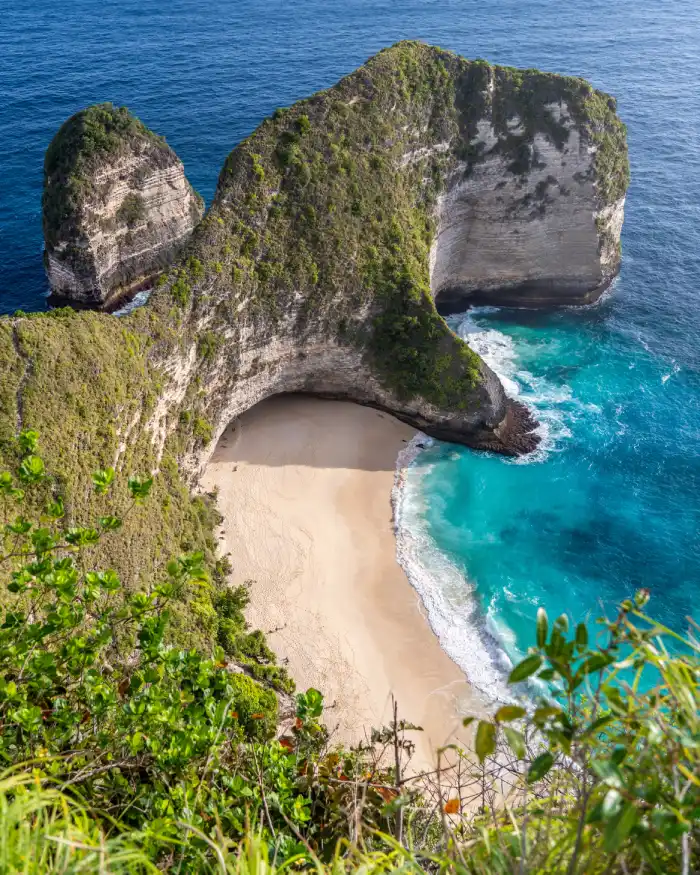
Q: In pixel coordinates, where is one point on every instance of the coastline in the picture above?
(304, 486)
(446, 597)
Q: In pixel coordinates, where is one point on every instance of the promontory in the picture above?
(341, 229)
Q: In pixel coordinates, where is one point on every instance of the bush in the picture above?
(132, 210)
(150, 756)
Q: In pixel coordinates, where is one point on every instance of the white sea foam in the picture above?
(476, 640)
(448, 599)
(545, 399)
(139, 299)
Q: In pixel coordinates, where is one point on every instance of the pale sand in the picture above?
(305, 490)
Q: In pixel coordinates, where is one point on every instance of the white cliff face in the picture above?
(519, 212)
(256, 362)
(134, 219)
(528, 238)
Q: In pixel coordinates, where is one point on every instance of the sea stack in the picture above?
(117, 207)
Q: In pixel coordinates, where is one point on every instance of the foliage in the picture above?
(132, 209)
(147, 755)
(610, 756)
(89, 382)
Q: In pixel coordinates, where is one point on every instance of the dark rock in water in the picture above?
(117, 207)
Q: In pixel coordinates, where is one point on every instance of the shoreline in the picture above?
(305, 487)
(451, 609)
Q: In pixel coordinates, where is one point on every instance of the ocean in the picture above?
(610, 502)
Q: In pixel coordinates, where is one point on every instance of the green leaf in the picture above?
(110, 523)
(597, 662)
(82, 537)
(467, 721)
(509, 712)
(668, 824)
(618, 754)
(103, 480)
(31, 469)
(608, 773)
(55, 509)
(516, 741)
(20, 526)
(611, 804)
(562, 623)
(28, 441)
(140, 488)
(524, 669)
(543, 713)
(581, 636)
(619, 828)
(539, 767)
(542, 626)
(485, 743)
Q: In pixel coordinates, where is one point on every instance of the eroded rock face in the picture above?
(337, 226)
(339, 223)
(541, 236)
(117, 207)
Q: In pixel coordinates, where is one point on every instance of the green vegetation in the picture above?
(83, 142)
(88, 383)
(137, 709)
(127, 754)
(320, 202)
(132, 211)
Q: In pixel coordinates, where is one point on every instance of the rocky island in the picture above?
(117, 206)
(339, 229)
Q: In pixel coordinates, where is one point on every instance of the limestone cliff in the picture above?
(335, 227)
(312, 270)
(117, 206)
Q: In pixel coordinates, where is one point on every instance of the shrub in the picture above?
(132, 210)
(165, 757)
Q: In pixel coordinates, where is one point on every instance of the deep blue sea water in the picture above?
(612, 502)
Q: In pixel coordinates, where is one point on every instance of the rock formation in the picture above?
(532, 215)
(117, 206)
(335, 228)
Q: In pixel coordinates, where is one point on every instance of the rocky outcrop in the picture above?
(117, 207)
(337, 226)
(526, 224)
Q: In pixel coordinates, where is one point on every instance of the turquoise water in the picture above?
(607, 504)
(612, 501)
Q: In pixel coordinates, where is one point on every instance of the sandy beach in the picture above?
(304, 486)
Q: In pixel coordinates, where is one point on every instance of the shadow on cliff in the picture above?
(301, 430)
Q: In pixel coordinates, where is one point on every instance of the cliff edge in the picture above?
(421, 179)
(117, 207)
